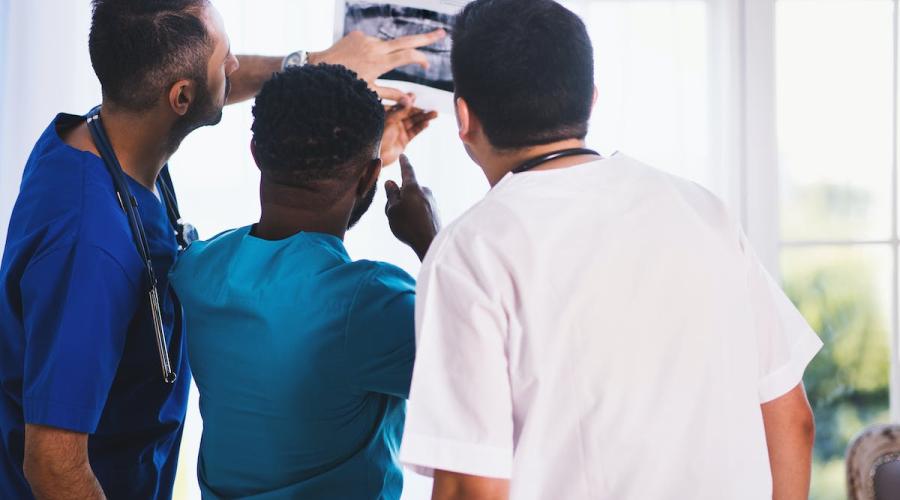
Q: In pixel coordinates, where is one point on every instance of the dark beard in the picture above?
(362, 206)
(203, 113)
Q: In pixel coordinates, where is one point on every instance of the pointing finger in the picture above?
(407, 172)
(406, 57)
(416, 41)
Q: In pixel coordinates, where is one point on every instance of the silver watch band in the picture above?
(295, 60)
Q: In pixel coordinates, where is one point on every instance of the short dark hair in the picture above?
(526, 69)
(316, 123)
(139, 48)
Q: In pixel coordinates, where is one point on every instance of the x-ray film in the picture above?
(433, 86)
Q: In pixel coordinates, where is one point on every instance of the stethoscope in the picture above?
(537, 162)
(185, 233)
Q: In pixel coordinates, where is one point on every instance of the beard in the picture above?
(203, 113)
(362, 206)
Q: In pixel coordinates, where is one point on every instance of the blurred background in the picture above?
(787, 109)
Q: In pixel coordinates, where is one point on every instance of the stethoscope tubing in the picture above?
(129, 205)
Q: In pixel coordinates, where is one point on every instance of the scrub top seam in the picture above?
(71, 239)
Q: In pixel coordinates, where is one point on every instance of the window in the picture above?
(837, 142)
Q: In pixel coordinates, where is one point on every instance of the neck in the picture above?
(140, 141)
(503, 162)
(287, 211)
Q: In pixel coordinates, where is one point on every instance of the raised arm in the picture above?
(370, 57)
(790, 432)
(57, 466)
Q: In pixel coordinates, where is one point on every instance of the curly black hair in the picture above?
(316, 123)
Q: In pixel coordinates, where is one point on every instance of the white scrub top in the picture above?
(601, 332)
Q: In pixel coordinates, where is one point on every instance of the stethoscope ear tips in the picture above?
(170, 377)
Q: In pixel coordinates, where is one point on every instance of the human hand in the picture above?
(402, 124)
(411, 211)
(372, 57)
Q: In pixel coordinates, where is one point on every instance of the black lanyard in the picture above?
(129, 204)
(537, 162)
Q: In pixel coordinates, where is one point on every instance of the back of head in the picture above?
(316, 126)
(141, 47)
(526, 70)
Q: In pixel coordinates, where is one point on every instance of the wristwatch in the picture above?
(295, 60)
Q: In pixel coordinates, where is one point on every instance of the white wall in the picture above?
(46, 70)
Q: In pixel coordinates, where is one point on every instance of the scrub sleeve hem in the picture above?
(782, 380)
(424, 454)
(61, 415)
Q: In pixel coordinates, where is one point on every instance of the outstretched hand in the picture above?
(411, 211)
(372, 57)
(402, 124)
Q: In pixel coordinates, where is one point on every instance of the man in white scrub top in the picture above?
(594, 328)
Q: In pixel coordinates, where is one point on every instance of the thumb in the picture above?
(393, 193)
(392, 94)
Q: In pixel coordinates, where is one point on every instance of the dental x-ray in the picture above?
(400, 18)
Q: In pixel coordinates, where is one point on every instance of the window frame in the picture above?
(761, 183)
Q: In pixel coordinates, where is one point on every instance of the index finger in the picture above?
(406, 171)
(416, 41)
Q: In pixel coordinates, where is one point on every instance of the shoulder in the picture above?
(66, 198)
(690, 202)
(482, 237)
(381, 277)
(383, 299)
(207, 251)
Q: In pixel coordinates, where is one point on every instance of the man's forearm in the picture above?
(56, 464)
(790, 433)
(454, 486)
(54, 482)
(248, 80)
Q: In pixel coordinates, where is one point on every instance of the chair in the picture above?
(873, 464)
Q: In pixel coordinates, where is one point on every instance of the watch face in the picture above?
(294, 60)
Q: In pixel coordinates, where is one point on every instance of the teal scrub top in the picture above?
(303, 359)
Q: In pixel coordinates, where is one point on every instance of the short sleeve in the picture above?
(380, 336)
(460, 416)
(786, 342)
(77, 304)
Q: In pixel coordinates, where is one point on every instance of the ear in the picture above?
(181, 96)
(465, 121)
(594, 100)
(369, 177)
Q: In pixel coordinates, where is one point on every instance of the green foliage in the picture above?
(847, 383)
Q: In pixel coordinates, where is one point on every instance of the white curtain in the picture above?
(667, 71)
(46, 69)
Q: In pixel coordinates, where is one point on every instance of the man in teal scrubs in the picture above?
(303, 356)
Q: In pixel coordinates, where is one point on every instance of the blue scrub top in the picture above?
(303, 359)
(77, 346)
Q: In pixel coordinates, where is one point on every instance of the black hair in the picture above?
(139, 48)
(316, 123)
(526, 69)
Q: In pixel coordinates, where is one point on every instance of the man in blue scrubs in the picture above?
(84, 410)
(303, 356)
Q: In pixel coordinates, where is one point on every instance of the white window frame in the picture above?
(760, 203)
